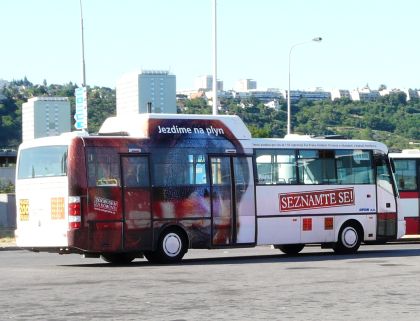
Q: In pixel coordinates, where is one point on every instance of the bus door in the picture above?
(387, 218)
(407, 175)
(232, 200)
(137, 232)
(104, 213)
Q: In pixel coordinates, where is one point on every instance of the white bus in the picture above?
(407, 176)
(157, 185)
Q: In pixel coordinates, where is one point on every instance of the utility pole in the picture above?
(83, 47)
(80, 94)
(214, 59)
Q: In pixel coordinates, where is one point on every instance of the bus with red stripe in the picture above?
(157, 185)
(407, 176)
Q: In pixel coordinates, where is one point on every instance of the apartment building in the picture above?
(148, 91)
(364, 94)
(45, 116)
(339, 94)
(205, 83)
(245, 85)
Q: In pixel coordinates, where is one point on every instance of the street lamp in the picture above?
(83, 48)
(214, 58)
(289, 112)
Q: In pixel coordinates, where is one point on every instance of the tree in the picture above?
(382, 87)
(390, 119)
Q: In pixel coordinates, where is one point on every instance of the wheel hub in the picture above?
(172, 244)
(350, 237)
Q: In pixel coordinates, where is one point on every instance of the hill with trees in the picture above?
(390, 119)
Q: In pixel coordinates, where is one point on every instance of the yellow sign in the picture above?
(24, 209)
(57, 208)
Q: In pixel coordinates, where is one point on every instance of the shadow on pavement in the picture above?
(275, 258)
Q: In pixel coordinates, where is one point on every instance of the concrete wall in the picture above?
(7, 211)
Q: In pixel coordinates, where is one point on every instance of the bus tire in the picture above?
(349, 239)
(171, 247)
(291, 249)
(117, 258)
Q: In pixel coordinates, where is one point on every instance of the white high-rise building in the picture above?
(137, 91)
(243, 85)
(205, 83)
(45, 116)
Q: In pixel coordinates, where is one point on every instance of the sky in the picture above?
(365, 42)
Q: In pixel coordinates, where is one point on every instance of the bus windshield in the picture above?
(43, 161)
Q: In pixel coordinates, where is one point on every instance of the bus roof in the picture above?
(406, 153)
(307, 142)
(138, 125)
(63, 139)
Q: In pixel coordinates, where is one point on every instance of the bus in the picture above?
(157, 185)
(407, 176)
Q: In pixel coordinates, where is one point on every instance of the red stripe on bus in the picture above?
(412, 225)
(409, 194)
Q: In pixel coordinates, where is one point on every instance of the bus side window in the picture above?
(405, 174)
(276, 166)
(317, 166)
(179, 167)
(197, 169)
(309, 164)
(136, 172)
(103, 167)
(354, 166)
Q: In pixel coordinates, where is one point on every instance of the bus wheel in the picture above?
(117, 258)
(171, 247)
(349, 240)
(291, 249)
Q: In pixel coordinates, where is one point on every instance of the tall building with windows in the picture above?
(154, 89)
(243, 85)
(45, 116)
(205, 83)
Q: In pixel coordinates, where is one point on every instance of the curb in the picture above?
(9, 248)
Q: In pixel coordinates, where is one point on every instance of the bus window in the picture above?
(354, 166)
(220, 168)
(44, 161)
(103, 167)
(197, 169)
(405, 174)
(316, 167)
(276, 166)
(383, 174)
(179, 167)
(136, 172)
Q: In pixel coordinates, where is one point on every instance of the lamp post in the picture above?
(214, 58)
(83, 48)
(289, 112)
(80, 94)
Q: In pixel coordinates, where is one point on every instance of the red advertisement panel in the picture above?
(316, 199)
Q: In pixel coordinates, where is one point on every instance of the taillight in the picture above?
(75, 212)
